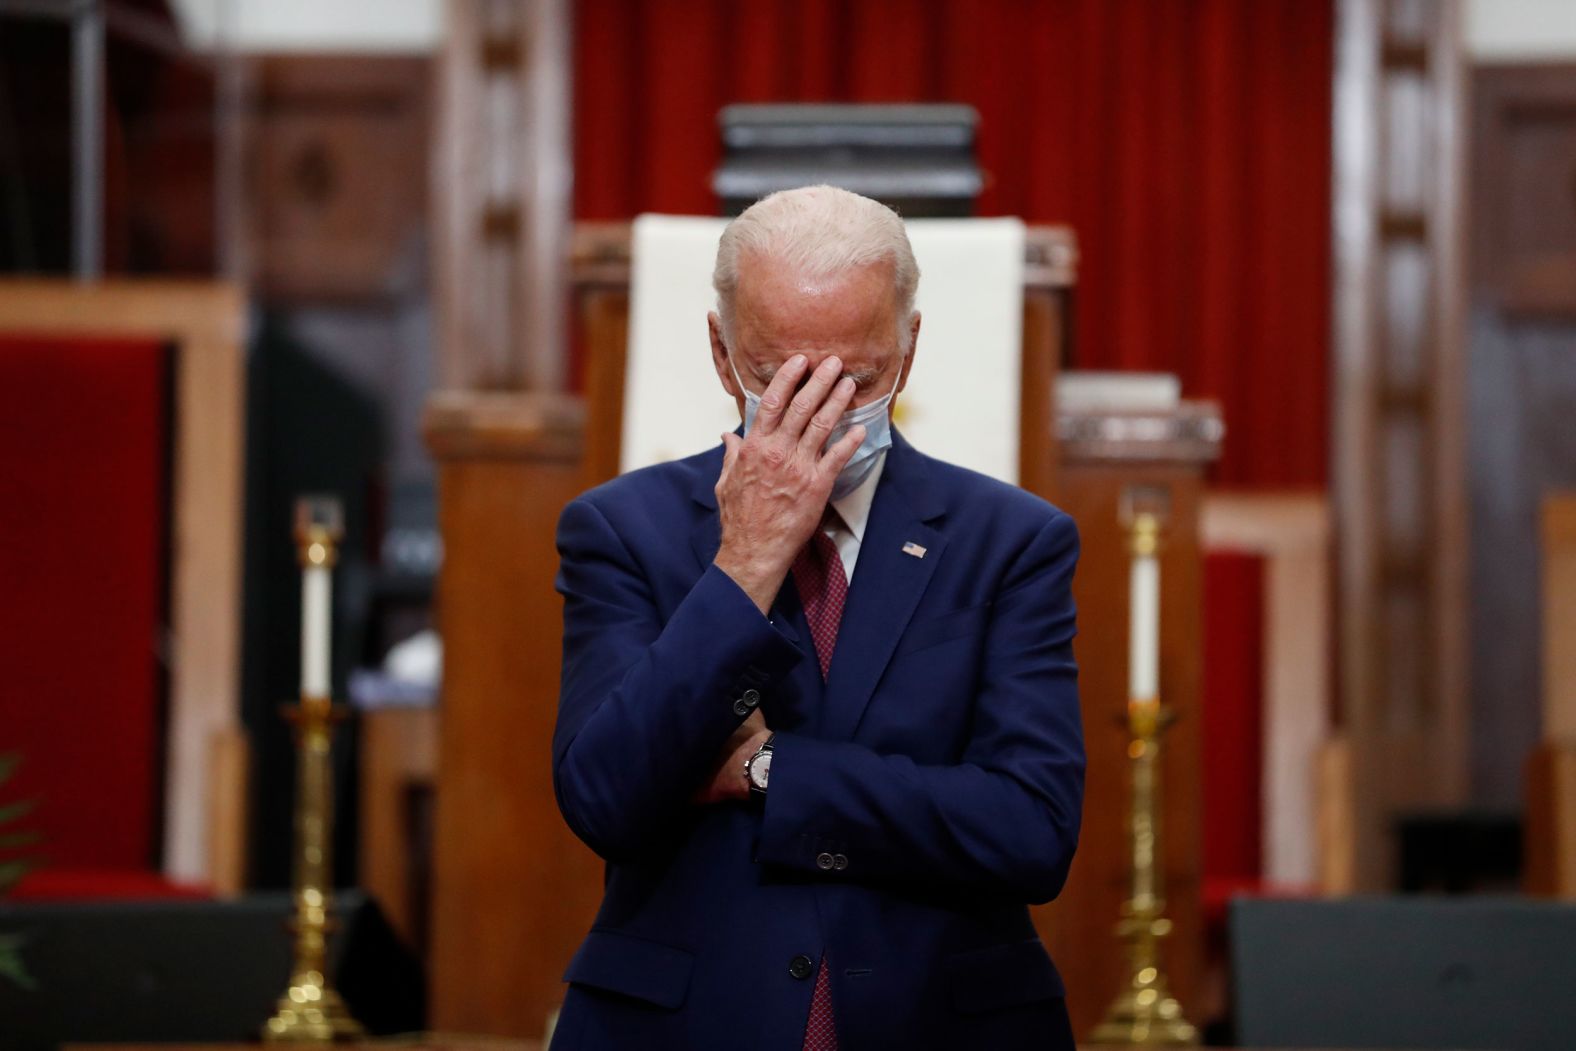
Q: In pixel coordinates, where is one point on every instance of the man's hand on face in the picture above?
(775, 482)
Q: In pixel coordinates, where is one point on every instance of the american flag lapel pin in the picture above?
(914, 549)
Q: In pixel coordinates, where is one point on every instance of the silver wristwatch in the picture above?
(759, 766)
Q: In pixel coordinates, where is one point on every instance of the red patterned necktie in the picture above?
(823, 588)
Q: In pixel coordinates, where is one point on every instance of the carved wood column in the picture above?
(1399, 476)
(501, 185)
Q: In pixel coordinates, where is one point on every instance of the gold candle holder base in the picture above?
(1155, 1023)
(1145, 1014)
(311, 1012)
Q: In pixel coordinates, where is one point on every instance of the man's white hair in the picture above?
(818, 232)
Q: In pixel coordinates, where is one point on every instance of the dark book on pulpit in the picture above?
(919, 159)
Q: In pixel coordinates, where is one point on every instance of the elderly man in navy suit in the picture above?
(819, 708)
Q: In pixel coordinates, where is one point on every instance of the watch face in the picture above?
(760, 767)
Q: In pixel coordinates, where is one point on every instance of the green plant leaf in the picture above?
(11, 965)
(12, 871)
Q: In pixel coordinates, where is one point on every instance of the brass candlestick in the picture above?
(1145, 1013)
(310, 1010)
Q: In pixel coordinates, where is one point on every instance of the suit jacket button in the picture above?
(839, 862)
(824, 862)
(740, 708)
(752, 697)
(800, 967)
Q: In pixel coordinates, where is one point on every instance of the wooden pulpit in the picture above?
(514, 890)
(1103, 456)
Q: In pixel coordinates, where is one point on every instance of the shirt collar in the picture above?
(855, 507)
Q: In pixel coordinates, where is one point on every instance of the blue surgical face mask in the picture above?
(878, 432)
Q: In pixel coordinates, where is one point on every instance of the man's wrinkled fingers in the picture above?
(842, 450)
(812, 396)
(826, 417)
(778, 393)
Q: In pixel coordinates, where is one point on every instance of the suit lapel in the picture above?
(706, 536)
(886, 588)
(887, 585)
(807, 691)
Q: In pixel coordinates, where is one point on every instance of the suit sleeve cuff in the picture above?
(796, 832)
(718, 617)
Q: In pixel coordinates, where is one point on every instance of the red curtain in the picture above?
(1187, 142)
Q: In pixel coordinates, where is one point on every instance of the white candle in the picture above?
(1144, 631)
(316, 588)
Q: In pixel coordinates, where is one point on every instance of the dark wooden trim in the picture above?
(1502, 96)
(599, 255)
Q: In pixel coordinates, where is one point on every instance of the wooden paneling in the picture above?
(1551, 821)
(338, 176)
(1522, 384)
(399, 757)
(501, 228)
(600, 294)
(1337, 818)
(1551, 771)
(1559, 617)
(1524, 231)
(514, 891)
(204, 321)
(1046, 329)
(1079, 927)
(1399, 472)
(229, 809)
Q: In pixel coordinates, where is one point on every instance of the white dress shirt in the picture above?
(854, 510)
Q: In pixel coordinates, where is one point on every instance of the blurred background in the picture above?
(1308, 267)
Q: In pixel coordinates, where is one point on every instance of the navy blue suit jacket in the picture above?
(940, 763)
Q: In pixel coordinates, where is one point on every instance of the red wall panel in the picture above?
(82, 561)
(1233, 717)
